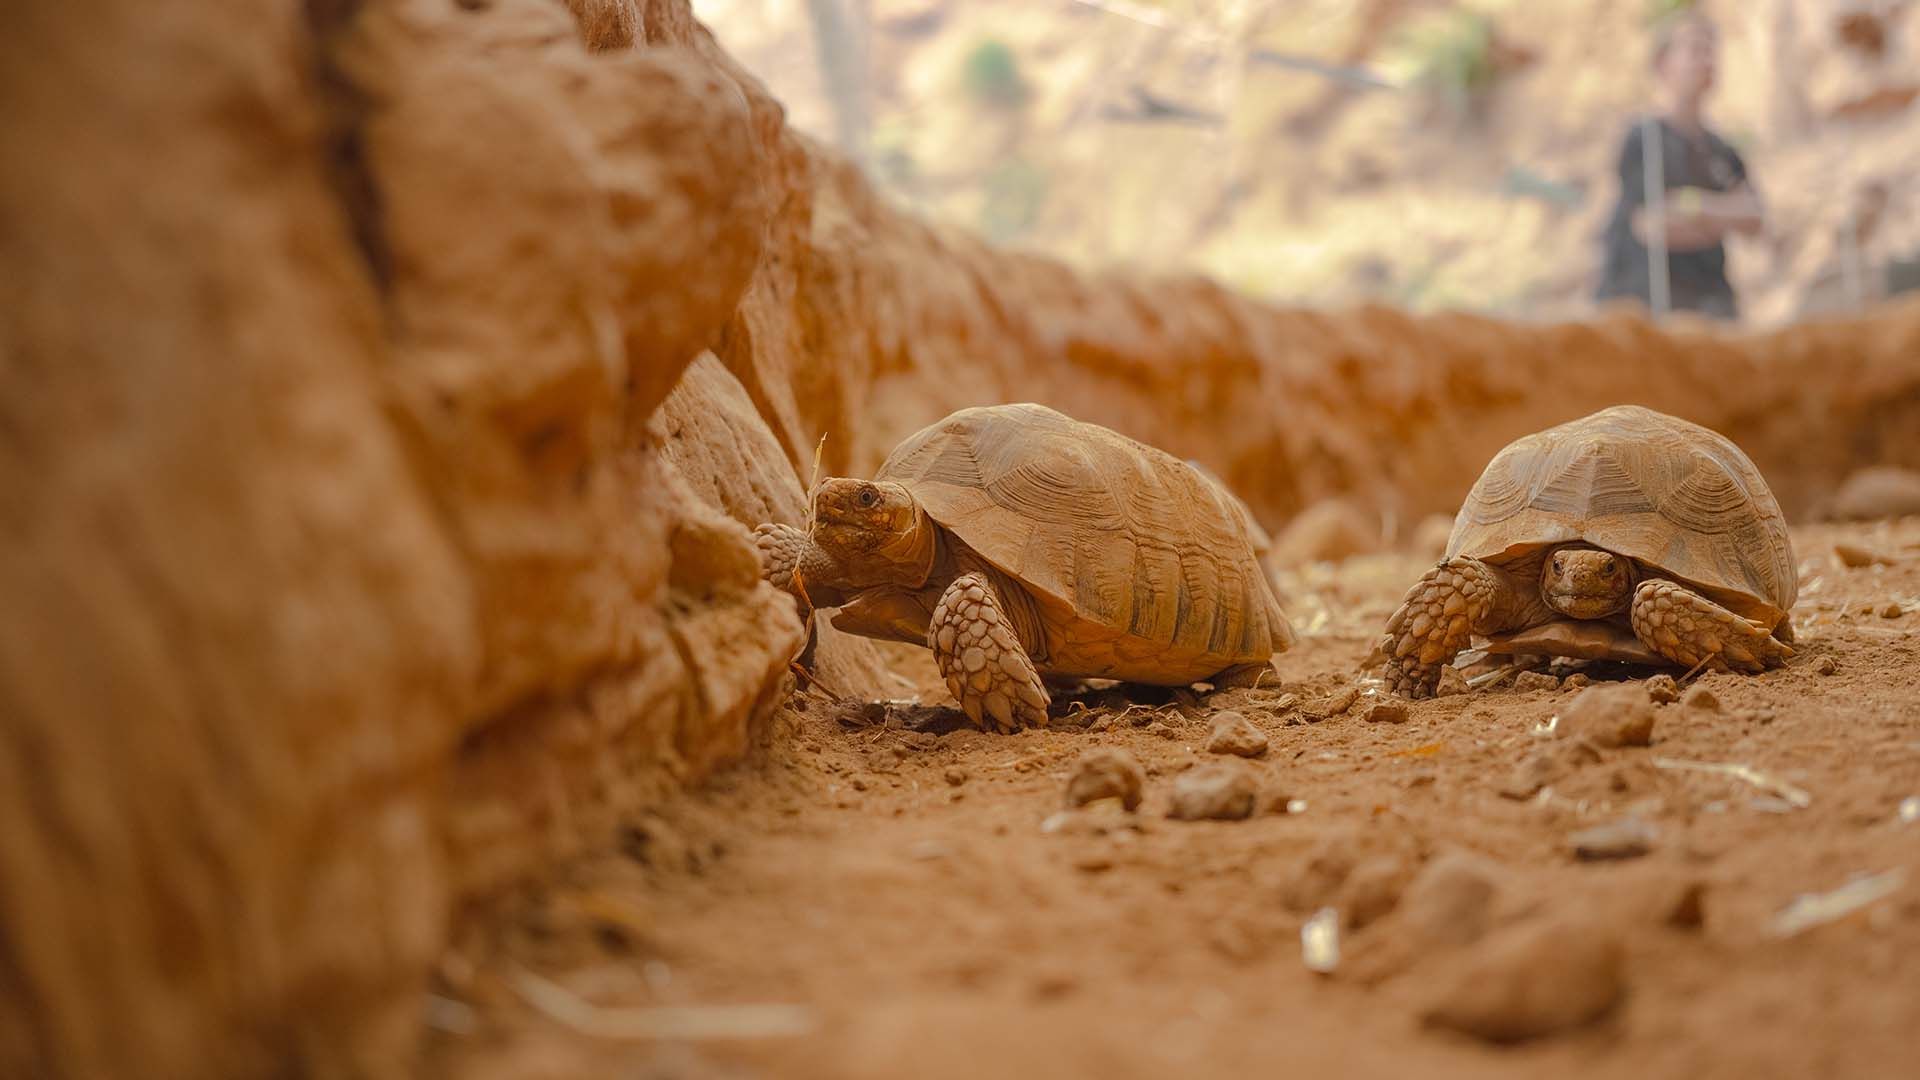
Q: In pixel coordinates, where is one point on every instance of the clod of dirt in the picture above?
(1218, 792)
(955, 775)
(1701, 699)
(1610, 716)
(1535, 680)
(1891, 610)
(1627, 838)
(1576, 681)
(1233, 733)
(1373, 889)
(1826, 665)
(1451, 682)
(1533, 980)
(1106, 773)
(1857, 557)
(1324, 871)
(1536, 771)
(1663, 690)
(1450, 902)
(1163, 729)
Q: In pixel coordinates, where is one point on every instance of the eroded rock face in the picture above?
(386, 390)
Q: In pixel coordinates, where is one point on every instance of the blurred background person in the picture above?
(1708, 193)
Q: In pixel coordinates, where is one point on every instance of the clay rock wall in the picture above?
(386, 391)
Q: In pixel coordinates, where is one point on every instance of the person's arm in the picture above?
(1697, 218)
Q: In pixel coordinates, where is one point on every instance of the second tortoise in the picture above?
(1627, 535)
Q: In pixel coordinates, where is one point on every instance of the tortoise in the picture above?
(1625, 535)
(1013, 541)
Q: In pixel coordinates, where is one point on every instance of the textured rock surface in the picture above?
(387, 388)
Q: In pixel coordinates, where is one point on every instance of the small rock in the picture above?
(1106, 773)
(1163, 729)
(1219, 792)
(1092, 862)
(1233, 733)
(1700, 699)
(1890, 610)
(1387, 712)
(1533, 980)
(1855, 556)
(1332, 705)
(1611, 715)
(1535, 680)
(858, 783)
(1327, 531)
(1451, 682)
(1450, 902)
(1579, 680)
(1662, 690)
(1826, 665)
(955, 775)
(1627, 838)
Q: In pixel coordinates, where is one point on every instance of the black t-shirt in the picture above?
(1697, 280)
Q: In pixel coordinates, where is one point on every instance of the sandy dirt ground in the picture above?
(919, 905)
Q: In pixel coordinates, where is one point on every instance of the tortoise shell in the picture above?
(1681, 500)
(1141, 567)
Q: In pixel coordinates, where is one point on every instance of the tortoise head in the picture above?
(875, 529)
(1586, 583)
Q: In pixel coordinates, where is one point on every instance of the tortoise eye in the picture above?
(1558, 565)
(868, 497)
(1610, 566)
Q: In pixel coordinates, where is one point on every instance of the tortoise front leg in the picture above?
(1442, 612)
(791, 562)
(989, 673)
(1691, 630)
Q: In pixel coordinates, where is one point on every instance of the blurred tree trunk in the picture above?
(840, 41)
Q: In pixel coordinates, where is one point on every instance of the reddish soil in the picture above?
(899, 886)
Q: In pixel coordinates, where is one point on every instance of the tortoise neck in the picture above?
(909, 554)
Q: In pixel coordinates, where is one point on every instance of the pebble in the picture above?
(1577, 681)
(1826, 665)
(1387, 712)
(1218, 792)
(1233, 733)
(1890, 610)
(1627, 838)
(1330, 706)
(1533, 980)
(1535, 680)
(955, 775)
(1163, 729)
(1106, 773)
(1701, 699)
(1662, 690)
(1612, 715)
(1855, 556)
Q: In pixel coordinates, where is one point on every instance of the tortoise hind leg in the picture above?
(1439, 617)
(1246, 676)
(1691, 630)
(989, 673)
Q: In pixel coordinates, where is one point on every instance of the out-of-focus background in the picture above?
(1429, 154)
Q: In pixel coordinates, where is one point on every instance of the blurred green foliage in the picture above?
(1453, 60)
(991, 75)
